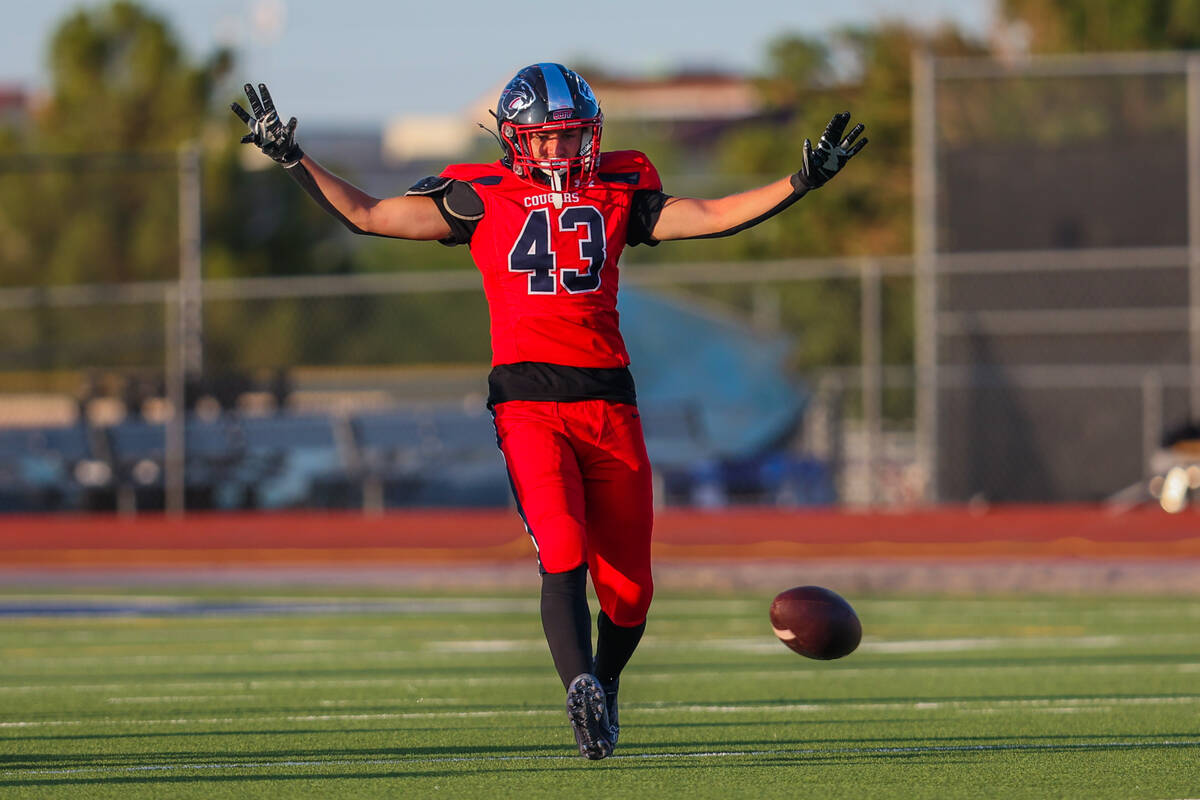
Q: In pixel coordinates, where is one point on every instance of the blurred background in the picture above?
(999, 303)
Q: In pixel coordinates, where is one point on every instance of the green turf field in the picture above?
(363, 693)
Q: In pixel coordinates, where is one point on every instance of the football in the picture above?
(815, 622)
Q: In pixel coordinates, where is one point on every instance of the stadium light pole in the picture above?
(1193, 190)
(871, 327)
(174, 500)
(185, 335)
(190, 259)
(924, 87)
(1152, 418)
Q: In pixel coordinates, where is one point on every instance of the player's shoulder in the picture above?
(479, 174)
(630, 168)
(624, 159)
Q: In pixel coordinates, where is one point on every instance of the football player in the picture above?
(546, 225)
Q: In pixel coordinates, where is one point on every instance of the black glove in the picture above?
(831, 153)
(267, 133)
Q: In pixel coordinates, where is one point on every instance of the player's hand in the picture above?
(831, 153)
(267, 133)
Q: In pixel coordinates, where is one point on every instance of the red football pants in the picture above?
(582, 481)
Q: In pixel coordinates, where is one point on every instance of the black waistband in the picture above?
(533, 380)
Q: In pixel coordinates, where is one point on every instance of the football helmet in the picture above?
(542, 98)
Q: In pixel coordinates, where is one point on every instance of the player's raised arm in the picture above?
(406, 217)
(695, 218)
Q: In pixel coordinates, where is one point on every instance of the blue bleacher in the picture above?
(137, 455)
(464, 432)
(674, 439)
(432, 457)
(70, 443)
(298, 452)
(133, 440)
(37, 468)
(394, 441)
(288, 431)
(443, 456)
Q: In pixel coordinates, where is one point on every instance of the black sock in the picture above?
(567, 622)
(614, 646)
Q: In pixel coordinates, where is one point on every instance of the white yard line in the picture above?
(82, 606)
(182, 698)
(707, 754)
(927, 705)
(968, 644)
(651, 708)
(825, 674)
(294, 650)
(142, 659)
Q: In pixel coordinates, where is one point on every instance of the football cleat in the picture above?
(588, 713)
(610, 705)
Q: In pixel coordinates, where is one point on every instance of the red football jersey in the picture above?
(550, 273)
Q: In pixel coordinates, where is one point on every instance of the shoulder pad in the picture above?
(462, 201)
(628, 167)
(433, 185)
(454, 196)
(476, 172)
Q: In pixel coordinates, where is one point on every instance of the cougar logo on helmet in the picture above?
(517, 97)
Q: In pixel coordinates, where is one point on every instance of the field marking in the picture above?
(813, 752)
(929, 705)
(182, 698)
(68, 606)
(143, 659)
(240, 604)
(327, 649)
(993, 643)
(825, 674)
(653, 708)
(960, 644)
(484, 645)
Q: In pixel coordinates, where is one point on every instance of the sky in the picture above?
(360, 63)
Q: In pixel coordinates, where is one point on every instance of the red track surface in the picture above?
(343, 539)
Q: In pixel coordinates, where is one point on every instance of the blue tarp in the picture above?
(732, 380)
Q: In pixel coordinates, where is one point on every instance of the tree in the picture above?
(867, 210)
(1069, 26)
(120, 84)
(95, 197)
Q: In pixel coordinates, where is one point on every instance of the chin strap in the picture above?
(556, 186)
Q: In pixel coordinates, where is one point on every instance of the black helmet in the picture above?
(549, 97)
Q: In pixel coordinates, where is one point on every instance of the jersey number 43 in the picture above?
(534, 250)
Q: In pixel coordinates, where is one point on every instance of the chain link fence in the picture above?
(1055, 294)
(1058, 257)
(315, 392)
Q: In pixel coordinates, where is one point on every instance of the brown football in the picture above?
(815, 622)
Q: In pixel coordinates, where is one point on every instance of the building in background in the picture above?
(16, 106)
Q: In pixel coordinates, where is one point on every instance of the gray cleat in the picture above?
(588, 712)
(610, 704)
